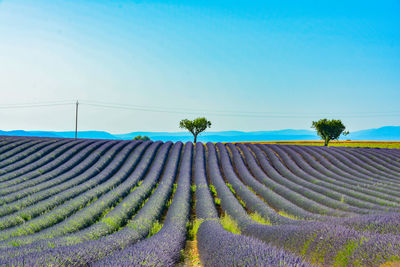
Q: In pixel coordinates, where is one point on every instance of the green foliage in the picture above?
(231, 188)
(251, 189)
(229, 224)
(258, 218)
(193, 188)
(242, 202)
(234, 192)
(15, 243)
(175, 186)
(193, 226)
(329, 129)
(142, 138)
(168, 203)
(287, 215)
(110, 222)
(217, 201)
(25, 217)
(181, 255)
(155, 228)
(342, 257)
(213, 191)
(307, 245)
(377, 144)
(195, 126)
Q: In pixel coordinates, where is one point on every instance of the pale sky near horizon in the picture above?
(245, 65)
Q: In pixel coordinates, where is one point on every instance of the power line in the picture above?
(235, 112)
(238, 114)
(201, 112)
(36, 104)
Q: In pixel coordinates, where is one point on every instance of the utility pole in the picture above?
(76, 120)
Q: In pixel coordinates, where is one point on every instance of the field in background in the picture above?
(377, 144)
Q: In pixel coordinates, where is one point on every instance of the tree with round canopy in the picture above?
(329, 129)
(195, 126)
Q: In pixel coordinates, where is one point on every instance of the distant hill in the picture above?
(89, 134)
(70, 134)
(227, 136)
(30, 133)
(387, 133)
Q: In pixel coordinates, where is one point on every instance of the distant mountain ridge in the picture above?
(68, 134)
(386, 133)
(227, 136)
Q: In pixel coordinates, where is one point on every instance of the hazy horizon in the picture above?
(246, 66)
(189, 134)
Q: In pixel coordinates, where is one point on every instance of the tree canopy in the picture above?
(329, 129)
(195, 126)
(143, 138)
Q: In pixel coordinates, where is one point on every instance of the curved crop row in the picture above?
(77, 248)
(346, 198)
(68, 202)
(31, 185)
(49, 158)
(27, 156)
(163, 248)
(294, 204)
(85, 216)
(53, 163)
(340, 181)
(311, 239)
(21, 150)
(342, 173)
(218, 247)
(72, 178)
(92, 190)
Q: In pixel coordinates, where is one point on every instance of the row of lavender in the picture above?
(332, 241)
(151, 251)
(150, 168)
(76, 183)
(39, 253)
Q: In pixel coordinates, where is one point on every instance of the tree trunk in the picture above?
(326, 142)
(195, 138)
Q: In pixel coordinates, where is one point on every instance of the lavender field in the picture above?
(67, 202)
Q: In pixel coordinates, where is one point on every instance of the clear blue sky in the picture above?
(265, 65)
